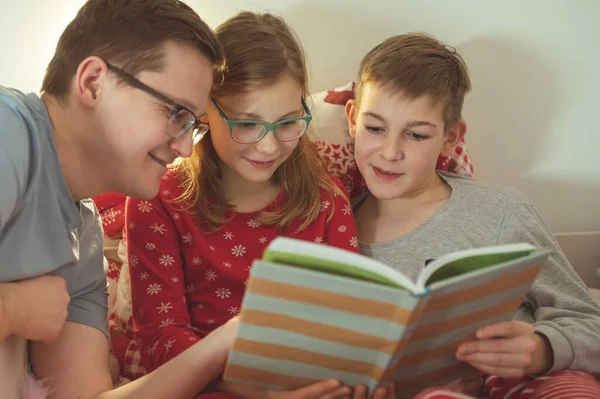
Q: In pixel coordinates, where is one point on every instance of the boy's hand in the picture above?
(35, 309)
(508, 350)
(330, 389)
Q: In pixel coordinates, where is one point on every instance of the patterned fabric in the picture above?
(185, 283)
(329, 134)
(564, 384)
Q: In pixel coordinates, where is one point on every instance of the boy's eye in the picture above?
(374, 129)
(417, 136)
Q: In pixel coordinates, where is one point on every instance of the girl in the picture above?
(254, 177)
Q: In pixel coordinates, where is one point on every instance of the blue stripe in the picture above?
(285, 338)
(296, 369)
(318, 314)
(333, 283)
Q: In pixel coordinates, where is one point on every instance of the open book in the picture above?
(313, 312)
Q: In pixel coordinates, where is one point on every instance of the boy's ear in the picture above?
(351, 116)
(453, 137)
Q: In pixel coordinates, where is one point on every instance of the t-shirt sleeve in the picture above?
(558, 304)
(89, 296)
(14, 159)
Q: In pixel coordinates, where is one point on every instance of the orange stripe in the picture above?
(431, 377)
(347, 303)
(502, 284)
(281, 352)
(318, 330)
(456, 323)
(266, 377)
(427, 355)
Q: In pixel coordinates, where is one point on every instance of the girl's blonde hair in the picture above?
(259, 50)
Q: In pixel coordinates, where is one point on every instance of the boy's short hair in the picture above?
(414, 65)
(128, 33)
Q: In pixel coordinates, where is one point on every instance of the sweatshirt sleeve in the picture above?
(559, 305)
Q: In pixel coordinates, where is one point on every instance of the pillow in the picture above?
(330, 136)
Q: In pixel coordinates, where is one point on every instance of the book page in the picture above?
(335, 261)
(470, 260)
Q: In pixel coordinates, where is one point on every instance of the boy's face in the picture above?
(398, 141)
(130, 143)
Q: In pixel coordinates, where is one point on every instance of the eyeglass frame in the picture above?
(175, 106)
(268, 126)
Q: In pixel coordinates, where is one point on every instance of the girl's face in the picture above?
(255, 162)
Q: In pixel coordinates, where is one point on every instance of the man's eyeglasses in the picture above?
(181, 119)
(250, 131)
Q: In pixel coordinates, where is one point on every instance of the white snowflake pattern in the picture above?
(226, 264)
(131, 226)
(176, 216)
(169, 344)
(158, 229)
(210, 275)
(175, 280)
(110, 217)
(223, 293)
(342, 229)
(187, 239)
(347, 210)
(153, 289)
(262, 240)
(200, 306)
(246, 282)
(190, 288)
(165, 193)
(166, 260)
(253, 223)
(166, 322)
(144, 206)
(150, 349)
(164, 307)
(133, 260)
(234, 310)
(165, 177)
(192, 338)
(319, 240)
(354, 242)
(248, 268)
(238, 250)
(228, 235)
(324, 205)
(144, 276)
(211, 321)
(212, 248)
(196, 261)
(150, 246)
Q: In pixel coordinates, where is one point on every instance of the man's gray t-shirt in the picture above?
(480, 214)
(42, 231)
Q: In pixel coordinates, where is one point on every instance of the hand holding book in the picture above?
(508, 350)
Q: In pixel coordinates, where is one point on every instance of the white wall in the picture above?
(534, 116)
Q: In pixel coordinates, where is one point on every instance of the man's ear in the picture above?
(351, 111)
(453, 137)
(88, 80)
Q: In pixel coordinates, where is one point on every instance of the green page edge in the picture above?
(328, 266)
(472, 263)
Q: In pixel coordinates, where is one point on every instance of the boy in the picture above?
(407, 111)
(122, 97)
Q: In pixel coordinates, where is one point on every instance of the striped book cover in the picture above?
(324, 319)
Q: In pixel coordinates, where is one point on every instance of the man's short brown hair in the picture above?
(127, 33)
(415, 65)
